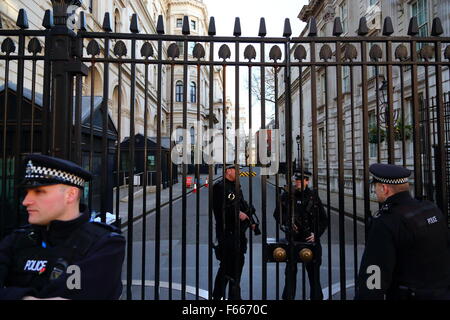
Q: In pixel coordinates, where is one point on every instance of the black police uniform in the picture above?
(42, 261)
(305, 222)
(407, 246)
(231, 258)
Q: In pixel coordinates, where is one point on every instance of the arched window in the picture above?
(117, 22)
(192, 135)
(193, 92)
(179, 91)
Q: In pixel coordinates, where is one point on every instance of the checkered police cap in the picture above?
(41, 170)
(389, 173)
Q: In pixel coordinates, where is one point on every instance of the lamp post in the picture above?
(384, 109)
(298, 139)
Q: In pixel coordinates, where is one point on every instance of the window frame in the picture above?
(179, 91)
(193, 91)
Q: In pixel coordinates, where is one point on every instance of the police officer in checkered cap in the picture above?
(407, 251)
(61, 253)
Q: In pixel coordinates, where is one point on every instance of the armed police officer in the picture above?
(407, 253)
(309, 223)
(232, 242)
(60, 254)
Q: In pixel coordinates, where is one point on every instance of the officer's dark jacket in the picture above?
(303, 213)
(224, 208)
(97, 249)
(408, 241)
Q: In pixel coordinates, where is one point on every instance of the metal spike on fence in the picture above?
(337, 27)
(363, 29)
(134, 26)
(287, 32)
(22, 19)
(107, 23)
(437, 29)
(1, 26)
(388, 28)
(262, 28)
(47, 23)
(237, 27)
(186, 30)
(413, 28)
(82, 21)
(212, 27)
(160, 25)
(312, 27)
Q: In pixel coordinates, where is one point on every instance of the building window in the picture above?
(346, 79)
(322, 89)
(193, 92)
(192, 135)
(419, 9)
(179, 91)
(180, 45)
(191, 46)
(373, 149)
(179, 23)
(322, 144)
(193, 25)
(116, 21)
(343, 11)
(372, 2)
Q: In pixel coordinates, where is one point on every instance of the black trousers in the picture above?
(230, 270)
(313, 271)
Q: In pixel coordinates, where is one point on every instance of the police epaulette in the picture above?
(109, 227)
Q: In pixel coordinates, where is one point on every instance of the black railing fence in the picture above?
(328, 91)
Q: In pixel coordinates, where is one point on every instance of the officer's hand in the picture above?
(243, 216)
(253, 226)
(294, 227)
(310, 238)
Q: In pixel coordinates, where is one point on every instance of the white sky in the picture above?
(250, 12)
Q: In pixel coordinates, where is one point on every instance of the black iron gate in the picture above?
(327, 91)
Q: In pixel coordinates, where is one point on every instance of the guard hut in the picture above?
(139, 156)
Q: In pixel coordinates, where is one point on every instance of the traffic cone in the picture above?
(206, 183)
(195, 188)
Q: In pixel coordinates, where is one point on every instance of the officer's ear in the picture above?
(73, 194)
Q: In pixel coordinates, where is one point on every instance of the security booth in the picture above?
(139, 164)
(92, 152)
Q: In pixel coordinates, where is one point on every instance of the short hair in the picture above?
(396, 188)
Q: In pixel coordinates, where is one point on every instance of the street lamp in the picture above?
(384, 109)
(298, 139)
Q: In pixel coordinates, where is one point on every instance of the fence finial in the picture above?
(160, 25)
(212, 27)
(107, 23)
(262, 28)
(337, 27)
(237, 27)
(47, 23)
(312, 27)
(413, 28)
(388, 28)
(437, 29)
(287, 32)
(22, 19)
(363, 29)
(82, 21)
(134, 26)
(186, 30)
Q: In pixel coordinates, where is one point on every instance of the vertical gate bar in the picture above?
(330, 275)
(418, 191)
(250, 191)
(70, 119)
(402, 105)
(263, 177)
(33, 103)
(365, 137)
(341, 182)
(91, 135)
(377, 112)
(224, 147)
(236, 159)
(390, 105)
(186, 152)
(19, 105)
(428, 170)
(172, 82)
(277, 177)
(197, 178)
(104, 175)
(4, 154)
(46, 128)
(355, 231)
(78, 111)
(442, 201)
(210, 169)
(158, 174)
(119, 138)
(144, 187)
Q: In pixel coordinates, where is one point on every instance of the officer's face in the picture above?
(231, 174)
(299, 183)
(381, 191)
(47, 203)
